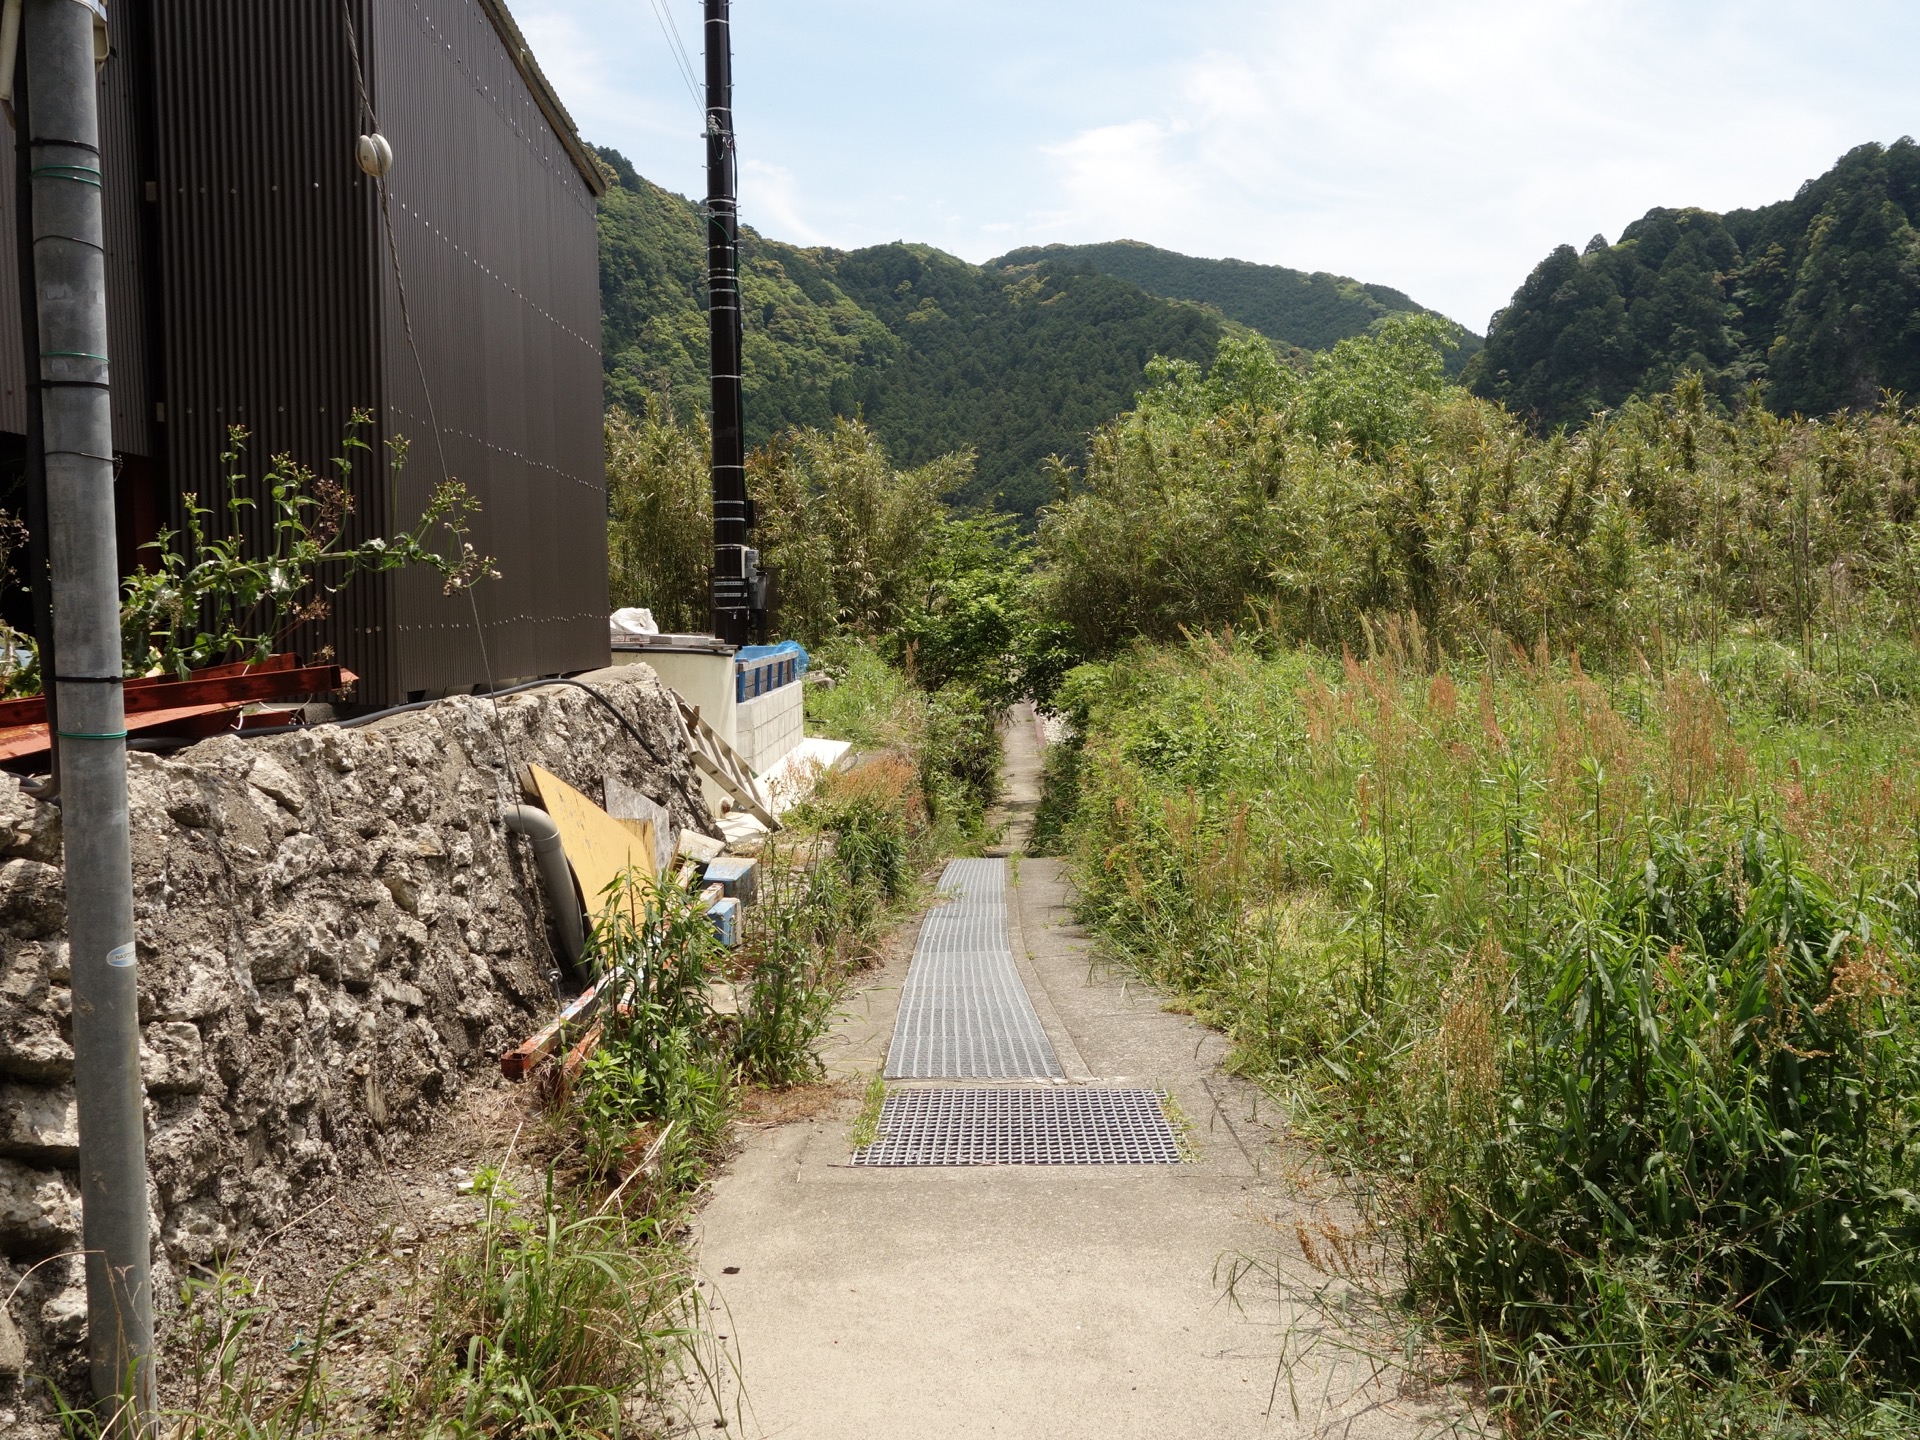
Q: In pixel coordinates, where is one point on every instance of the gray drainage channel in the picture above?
(1054, 1126)
(964, 1014)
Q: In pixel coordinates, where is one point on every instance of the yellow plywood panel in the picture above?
(599, 848)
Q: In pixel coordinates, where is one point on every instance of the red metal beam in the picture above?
(149, 713)
(224, 685)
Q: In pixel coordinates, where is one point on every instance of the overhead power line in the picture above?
(663, 12)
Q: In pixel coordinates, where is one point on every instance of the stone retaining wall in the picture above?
(335, 931)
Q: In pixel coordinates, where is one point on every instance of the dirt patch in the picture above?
(362, 1263)
(765, 1109)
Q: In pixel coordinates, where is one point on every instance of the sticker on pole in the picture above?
(121, 956)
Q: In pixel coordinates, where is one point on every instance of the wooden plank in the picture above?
(642, 832)
(598, 847)
(720, 761)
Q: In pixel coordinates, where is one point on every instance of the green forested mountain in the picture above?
(1015, 362)
(1290, 307)
(1817, 298)
(807, 342)
(1019, 363)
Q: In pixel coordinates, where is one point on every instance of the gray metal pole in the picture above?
(70, 289)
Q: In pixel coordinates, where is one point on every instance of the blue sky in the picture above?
(1440, 146)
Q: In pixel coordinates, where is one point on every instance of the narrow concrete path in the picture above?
(1072, 1303)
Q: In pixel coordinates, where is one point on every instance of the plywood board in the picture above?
(598, 847)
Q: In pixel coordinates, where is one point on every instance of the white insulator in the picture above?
(373, 154)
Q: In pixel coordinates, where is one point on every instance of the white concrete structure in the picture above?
(762, 731)
(767, 727)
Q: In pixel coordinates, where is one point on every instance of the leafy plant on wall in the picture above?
(212, 595)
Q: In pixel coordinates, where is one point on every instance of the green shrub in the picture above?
(203, 597)
(1317, 506)
(800, 941)
(660, 514)
(1600, 993)
(950, 737)
(660, 1081)
(842, 531)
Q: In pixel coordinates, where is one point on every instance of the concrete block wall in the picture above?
(769, 726)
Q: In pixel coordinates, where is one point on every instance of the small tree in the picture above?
(660, 514)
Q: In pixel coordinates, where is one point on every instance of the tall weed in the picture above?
(553, 1323)
(1316, 506)
(1601, 990)
(659, 1084)
(949, 736)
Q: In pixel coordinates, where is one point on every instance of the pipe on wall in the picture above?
(556, 876)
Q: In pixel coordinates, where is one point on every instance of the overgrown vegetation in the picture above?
(942, 746)
(660, 515)
(1602, 992)
(210, 593)
(930, 614)
(572, 1308)
(246, 575)
(560, 1319)
(1314, 505)
(1548, 840)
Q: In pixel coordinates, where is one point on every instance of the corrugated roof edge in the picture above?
(543, 94)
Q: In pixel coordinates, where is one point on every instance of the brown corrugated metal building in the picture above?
(254, 279)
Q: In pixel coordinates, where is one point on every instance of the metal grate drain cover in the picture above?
(964, 1014)
(1022, 1127)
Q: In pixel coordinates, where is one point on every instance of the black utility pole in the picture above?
(735, 567)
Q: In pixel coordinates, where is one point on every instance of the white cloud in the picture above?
(1113, 175)
(1444, 147)
(1440, 146)
(770, 203)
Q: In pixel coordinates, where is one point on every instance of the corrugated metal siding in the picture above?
(124, 199)
(13, 371)
(267, 264)
(494, 227)
(271, 303)
(123, 174)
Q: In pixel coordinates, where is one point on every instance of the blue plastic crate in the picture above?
(735, 876)
(724, 914)
(759, 669)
